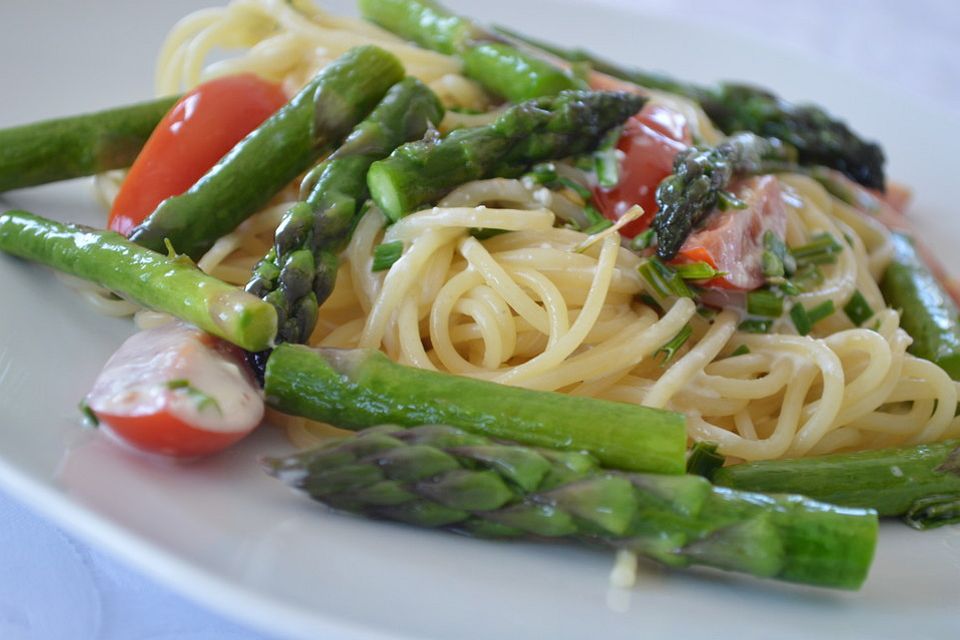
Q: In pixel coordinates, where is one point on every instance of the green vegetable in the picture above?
(674, 344)
(354, 389)
(699, 183)
(664, 280)
(384, 255)
(170, 285)
(299, 272)
(501, 68)
(606, 164)
(929, 314)
(755, 325)
(804, 319)
(764, 303)
(822, 249)
(279, 150)
(704, 459)
(697, 271)
(542, 129)
(818, 137)
(894, 481)
(438, 476)
(78, 146)
(858, 309)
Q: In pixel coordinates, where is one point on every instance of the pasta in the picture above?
(548, 307)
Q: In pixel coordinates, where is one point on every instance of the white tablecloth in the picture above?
(53, 587)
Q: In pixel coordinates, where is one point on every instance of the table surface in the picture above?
(53, 586)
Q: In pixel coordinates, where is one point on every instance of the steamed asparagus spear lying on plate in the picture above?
(438, 476)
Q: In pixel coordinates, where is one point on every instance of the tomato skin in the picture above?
(200, 129)
(164, 433)
(650, 142)
(176, 391)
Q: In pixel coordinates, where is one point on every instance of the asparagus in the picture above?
(170, 285)
(360, 388)
(280, 149)
(570, 123)
(699, 182)
(928, 313)
(78, 146)
(299, 272)
(894, 482)
(503, 69)
(438, 476)
(820, 139)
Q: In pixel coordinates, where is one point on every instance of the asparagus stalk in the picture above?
(699, 183)
(891, 481)
(552, 127)
(928, 313)
(503, 69)
(280, 149)
(299, 272)
(438, 476)
(170, 285)
(360, 388)
(820, 139)
(78, 146)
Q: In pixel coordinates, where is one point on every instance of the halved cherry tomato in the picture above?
(176, 391)
(650, 142)
(200, 129)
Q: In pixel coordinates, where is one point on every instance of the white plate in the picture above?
(234, 539)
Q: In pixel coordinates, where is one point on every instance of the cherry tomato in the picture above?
(176, 391)
(200, 129)
(650, 142)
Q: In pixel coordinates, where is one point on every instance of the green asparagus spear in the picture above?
(501, 68)
(891, 481)
(699, 183)
(819, 138)
(298, 274)
(928, 313)
(280, 149)
(170, 285)
(555, 127)
(78, 146)
(360, 388)
(438, 476)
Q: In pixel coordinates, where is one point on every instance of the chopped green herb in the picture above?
(808, 277)
(705, 312)
(742, 350)
(764, 303)
(200, 399)
(663, 279)
(651, 302)
(643, 240)
(576, 187)
(697, 271)
(594, 217)
(673, 345)
(727, 201)
(606, 164)
(753, 325)
(776, 256)
(384, 255)
(89, 417)
(704, 459)
(823, 249)
(823, 310)
(784, 287)
(544, 173)
(858, 309)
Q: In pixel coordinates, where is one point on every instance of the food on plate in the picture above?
(594, 277)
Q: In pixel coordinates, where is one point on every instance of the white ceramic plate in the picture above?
(234, 539)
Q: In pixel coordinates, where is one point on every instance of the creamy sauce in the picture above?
(181, 370)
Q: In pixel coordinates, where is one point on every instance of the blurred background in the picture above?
(53, 586)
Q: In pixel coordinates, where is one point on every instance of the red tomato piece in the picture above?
(650, 142)
(200, 129)
(176, 391)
